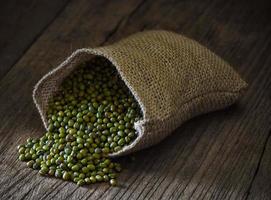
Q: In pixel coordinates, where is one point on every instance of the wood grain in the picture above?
(21, 22)
(261, 186)
(220, 155)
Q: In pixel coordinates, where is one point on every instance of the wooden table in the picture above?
(220, 155)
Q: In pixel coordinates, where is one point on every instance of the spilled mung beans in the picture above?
(91, 116)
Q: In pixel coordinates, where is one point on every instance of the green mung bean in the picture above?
(91, 116)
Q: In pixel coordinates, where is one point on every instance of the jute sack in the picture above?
(173, 78)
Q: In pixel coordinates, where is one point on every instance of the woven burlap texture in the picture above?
(172, 77)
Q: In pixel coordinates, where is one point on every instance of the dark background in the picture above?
(220, 155)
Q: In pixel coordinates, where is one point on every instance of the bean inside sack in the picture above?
(91, 116)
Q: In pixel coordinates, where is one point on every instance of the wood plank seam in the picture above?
(34, 40)
(124, 19)
(258, 166)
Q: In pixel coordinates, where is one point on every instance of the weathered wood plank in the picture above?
(21, 22)
(212, 156)
(261, 186)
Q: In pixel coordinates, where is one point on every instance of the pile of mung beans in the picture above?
(91, 116)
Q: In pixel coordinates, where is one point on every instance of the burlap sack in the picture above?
(173, 78)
